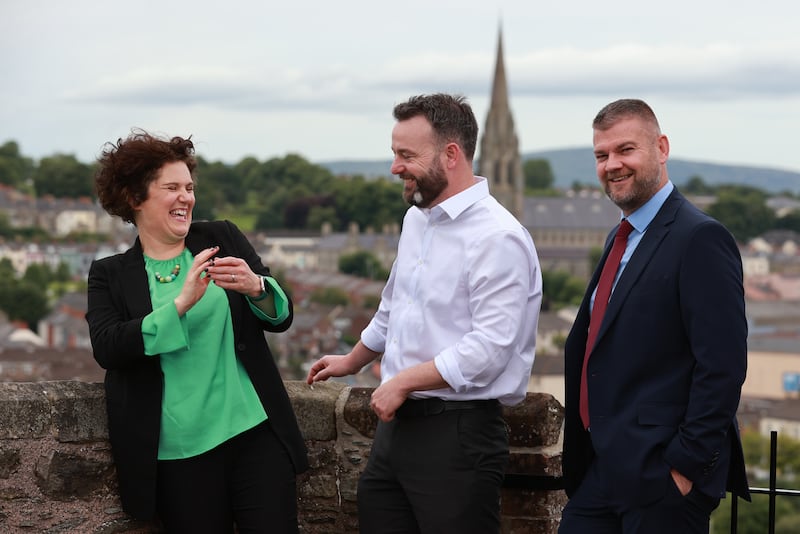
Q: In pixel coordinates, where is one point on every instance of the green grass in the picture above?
(245, 221)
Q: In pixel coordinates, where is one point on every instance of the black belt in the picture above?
(435, 405)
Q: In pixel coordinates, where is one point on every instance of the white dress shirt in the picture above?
(465, 291)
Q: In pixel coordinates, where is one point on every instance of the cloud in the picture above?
(712, 71)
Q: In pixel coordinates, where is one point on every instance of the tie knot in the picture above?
(624, 230)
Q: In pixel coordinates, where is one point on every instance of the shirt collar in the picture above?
(458, 203)
(642, 217)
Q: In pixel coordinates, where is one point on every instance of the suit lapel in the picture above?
(646, 249)
(134, 282)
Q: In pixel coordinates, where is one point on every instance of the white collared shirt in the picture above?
(465, 291)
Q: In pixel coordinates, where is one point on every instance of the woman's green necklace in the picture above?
(170, 277)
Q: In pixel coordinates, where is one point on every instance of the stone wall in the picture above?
(56, 472)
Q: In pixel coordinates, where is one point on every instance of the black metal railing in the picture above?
(549, 483)
(772, 491)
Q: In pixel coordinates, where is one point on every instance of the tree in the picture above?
(64, 176)
(560, 289)
(288, 171)
(330, 296)
(753, 517)
(790, 221)
(371, 302)
(222, 179)
(62, 273)
(15, 170)
(743, 210)
(538, 174)
(296, 214)
(23, 301)
(7, 271)
(6, 230)
(363, 264)
(319, 215)
(696, 186)
(370, 203)
(595, 255)
(38, 274)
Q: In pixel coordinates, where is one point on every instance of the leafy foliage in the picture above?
(752, 518)
(697, 186)
(15, 170)
(743, 210)
(790, 221)
(560, 289)
(63, 175)
(363, 264)
(330, 296)
(538, 174)
(26, 299)
(292, 193)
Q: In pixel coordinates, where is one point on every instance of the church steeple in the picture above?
(500, 160)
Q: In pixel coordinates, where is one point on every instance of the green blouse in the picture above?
(208, 396)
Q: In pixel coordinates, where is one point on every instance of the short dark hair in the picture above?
(450, 116)
(127, 168)
(623, 109)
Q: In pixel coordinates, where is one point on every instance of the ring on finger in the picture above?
(233, 278)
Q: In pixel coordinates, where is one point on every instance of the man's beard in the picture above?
(645, 185)
(428, 187)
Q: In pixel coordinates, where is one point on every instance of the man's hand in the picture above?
(683, 483)
(392, 393)
(328, 366)
(341, 365)
(386, 399)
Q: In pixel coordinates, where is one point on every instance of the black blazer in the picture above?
(666, 371)
(119, 299)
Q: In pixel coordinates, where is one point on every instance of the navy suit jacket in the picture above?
(119, 298)
(666, 371)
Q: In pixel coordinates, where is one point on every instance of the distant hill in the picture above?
(571, 165)
(577, 165)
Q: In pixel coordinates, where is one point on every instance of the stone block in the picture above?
(24, 411)
(322, 456)
(9, 461)
(315, 408)
(78, 410)
(532, 503)
(528, 525)
(358, 414)
(535, 422)
(537, 462)
(65, 475)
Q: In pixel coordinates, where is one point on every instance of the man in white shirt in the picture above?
(457, 329)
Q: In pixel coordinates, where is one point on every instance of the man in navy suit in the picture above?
(660, 443)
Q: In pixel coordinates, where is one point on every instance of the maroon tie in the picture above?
(600, 304)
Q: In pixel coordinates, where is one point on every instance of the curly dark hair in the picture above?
(450, 116)
(127, 168)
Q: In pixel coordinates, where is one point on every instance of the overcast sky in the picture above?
(264, 78)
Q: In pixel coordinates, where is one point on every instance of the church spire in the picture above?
(499, 85)
(500, 160)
